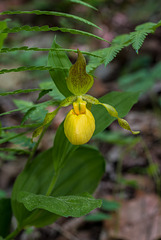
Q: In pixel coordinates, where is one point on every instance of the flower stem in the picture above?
(52, 184)
(13, 234)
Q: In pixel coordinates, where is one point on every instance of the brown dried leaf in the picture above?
(138, 219)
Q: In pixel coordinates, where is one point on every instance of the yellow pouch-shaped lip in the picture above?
(79, 128)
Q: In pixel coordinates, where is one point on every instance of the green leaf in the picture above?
(117, 138)
(43, 93)
(3, 36)
(61, 142)
(66, 206)
(83, 3)
(46, 28)
(5, 216)
(95, 217)
(58, 60)
(81, 171)
(52, 13)
(141, 80)
(122, 101)
(110, 205)
(28, 114)
(2, 194)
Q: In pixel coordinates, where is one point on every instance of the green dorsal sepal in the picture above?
(124, 124)
(78, 81)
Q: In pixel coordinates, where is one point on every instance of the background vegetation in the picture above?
(132, 176)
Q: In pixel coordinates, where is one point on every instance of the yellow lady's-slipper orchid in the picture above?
(79, 124)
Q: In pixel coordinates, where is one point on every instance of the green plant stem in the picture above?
(13, 234)
(52, 184)
(36, 146)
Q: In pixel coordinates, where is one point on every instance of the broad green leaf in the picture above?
(141, 80)
(5, 216)
(3, 25)
(81, 172)
(61, 142)
(117, 138)
(66, 206)
(110, 205)
(55, 60)
(2, 194)
(99, 216)
(52, 13)
(122, 101)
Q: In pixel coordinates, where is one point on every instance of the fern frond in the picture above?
(111, 52)
(22, 126)
(141, 31)
(15, 150)
(59, 14)
(22, 91)
(26, 48)
(24, 108)
(46, 28)
(31, 68)
(84, 3)
(108, 54)
(7, 139)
